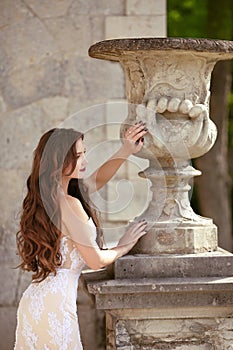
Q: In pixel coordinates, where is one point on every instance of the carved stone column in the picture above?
(167, 86)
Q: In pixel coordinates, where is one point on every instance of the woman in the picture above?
(60, 234)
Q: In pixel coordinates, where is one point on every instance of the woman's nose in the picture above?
(85, 161)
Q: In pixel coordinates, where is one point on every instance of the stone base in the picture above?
(178, 240)
(213, 264)
(155, 292)
(168, 302)
(171, 313)
(170, 329)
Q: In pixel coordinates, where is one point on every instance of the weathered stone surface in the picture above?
(12, 11)
(33, 83)
(6, 63)
(150, 7)
(8, 289)
(176, 301)
(8, 255)
(193, 334)
(96, 83)
(25, 120)
(29, 124)
(52, 8)
(3, 106)
(171, 313)
(112, 49)
(76, 33)
(177, 239)
(23, 282)
(97, 7)
(134, 26)
(9, 214)
(165, 292)
(26, 42)
(54, 108)
(8, 324)
(215, 264)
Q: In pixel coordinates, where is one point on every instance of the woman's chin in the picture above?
(81, 175)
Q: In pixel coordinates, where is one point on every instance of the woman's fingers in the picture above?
(140, 134)
(134, 131)
(133, 234)
(139, 226)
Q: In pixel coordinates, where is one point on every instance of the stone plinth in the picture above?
(168, 302)
(167, 313)
(161, 293)
(215, 264)
(178, 240)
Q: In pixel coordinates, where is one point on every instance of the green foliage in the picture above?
(200, 19)
(187, 18)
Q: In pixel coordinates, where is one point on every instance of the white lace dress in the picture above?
(47, 315)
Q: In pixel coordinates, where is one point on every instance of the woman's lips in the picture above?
(83, 169)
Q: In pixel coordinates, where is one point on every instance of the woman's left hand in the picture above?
(133, 138)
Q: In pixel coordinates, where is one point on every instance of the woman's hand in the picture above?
(132, 235)
(132, 143)
(133, 137)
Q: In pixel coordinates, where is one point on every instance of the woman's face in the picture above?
(80, 168)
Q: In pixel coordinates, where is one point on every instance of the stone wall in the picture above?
(48, 80)
(184, 333)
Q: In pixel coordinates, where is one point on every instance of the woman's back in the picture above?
(47, 315)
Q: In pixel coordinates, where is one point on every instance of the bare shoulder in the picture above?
(71, 206)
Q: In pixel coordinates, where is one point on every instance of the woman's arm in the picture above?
(97, 259)
(76, 221)
(132, 143)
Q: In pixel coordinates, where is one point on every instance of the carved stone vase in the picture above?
(167, 86)
(175, 288)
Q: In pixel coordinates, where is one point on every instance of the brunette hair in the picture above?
(38, 240)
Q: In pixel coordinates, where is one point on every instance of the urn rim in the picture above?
(114, 49)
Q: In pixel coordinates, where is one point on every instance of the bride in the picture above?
(60, 233)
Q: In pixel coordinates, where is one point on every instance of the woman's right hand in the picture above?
(132, 235)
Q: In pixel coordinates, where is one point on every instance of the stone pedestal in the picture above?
(175, 288)
(169, 302)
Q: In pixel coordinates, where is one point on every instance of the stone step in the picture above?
(214, 264)
(163, 292)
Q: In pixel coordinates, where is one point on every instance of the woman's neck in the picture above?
(65, 184)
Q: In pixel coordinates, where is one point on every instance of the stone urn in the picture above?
(174, 289)
(167, 86)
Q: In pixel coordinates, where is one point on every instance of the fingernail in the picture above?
(142, 139)
(145, 129)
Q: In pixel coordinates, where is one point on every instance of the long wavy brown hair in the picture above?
(38, 240)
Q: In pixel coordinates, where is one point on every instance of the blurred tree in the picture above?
(186, 18)
(211, 19)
